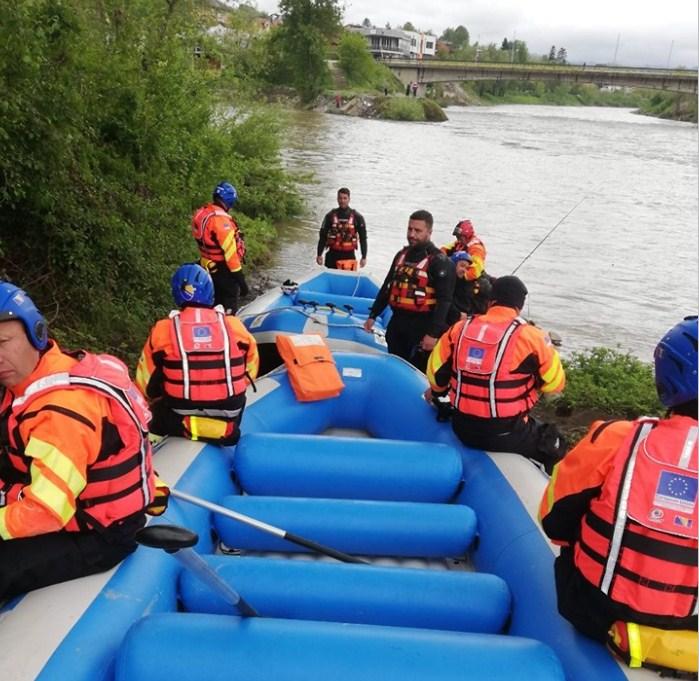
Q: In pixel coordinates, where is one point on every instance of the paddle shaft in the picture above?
(270, 529)
(196, 564)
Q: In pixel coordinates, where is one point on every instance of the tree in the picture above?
(407, 26)
(552, 53)
(367, 23)
(458, 37)
(300, 42)
(506, 45)
(562, 55)
(355, 59)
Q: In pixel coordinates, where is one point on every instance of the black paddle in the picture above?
(179, 541)
(270, 529)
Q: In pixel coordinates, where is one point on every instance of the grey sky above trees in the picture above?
(648, 33)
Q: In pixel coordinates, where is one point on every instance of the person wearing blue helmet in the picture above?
(196, 364)
(221, 246)
(76, 477)
(623, 507)
(471, 296)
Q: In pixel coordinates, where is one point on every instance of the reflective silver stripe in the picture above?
(620, 520)
(689, 445)
(496, 366)
(457, 354)
(213, 413)
(183, 355)
(112, 392)
(226, 351)
(51, 381)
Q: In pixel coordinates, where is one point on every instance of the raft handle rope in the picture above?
(178, 541)
(270, 529)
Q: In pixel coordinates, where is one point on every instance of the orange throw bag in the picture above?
(346, 265)
(311, 367)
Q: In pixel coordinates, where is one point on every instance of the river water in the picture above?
(618, 271)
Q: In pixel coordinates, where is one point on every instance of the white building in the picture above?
(421, 44)
(395, 42)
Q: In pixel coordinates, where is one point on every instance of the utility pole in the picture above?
(669, 56)
(616, 49)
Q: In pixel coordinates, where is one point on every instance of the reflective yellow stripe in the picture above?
(142, 374)
(3, 526)
(229, 246)
(57, 462)
(193, 428)
(635, 647)
(550, 490)
(53, 498)
(553, 377)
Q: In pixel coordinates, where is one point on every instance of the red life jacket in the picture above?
(208, 244)
(638, 540)
(207, 368)
(483, 384)
(119, 484)
(342, 234)
(410, 289)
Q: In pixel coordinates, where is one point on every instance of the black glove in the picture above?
(242, 284)
(444, 408)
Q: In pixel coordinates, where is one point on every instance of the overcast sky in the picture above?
(650, 32)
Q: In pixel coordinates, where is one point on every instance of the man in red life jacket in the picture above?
(196, 364)
(492, 367)
(419, 288)
(623, 507)
(467, 241)
(75, 462)
(342, 229)
(221, 246)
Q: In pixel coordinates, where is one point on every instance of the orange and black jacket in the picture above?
(166, 365)
(342, 215)
(75, 452)
(476, 249)
(625, 500)
(526, 364)
(441, 278)
(218, 237)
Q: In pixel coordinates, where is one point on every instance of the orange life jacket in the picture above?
(483, 384)
(410, 289)
(207, 368)
(342, 234)
(638, 540)
(121, 483)
(208, 244)
(312, 372)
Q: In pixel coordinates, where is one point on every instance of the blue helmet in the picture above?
(192, 285)
(15, 304)
(461, 255)
(676, 364)
(225, 194)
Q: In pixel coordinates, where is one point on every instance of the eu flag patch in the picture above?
(202, 334)
(475, 356)
(676, 491)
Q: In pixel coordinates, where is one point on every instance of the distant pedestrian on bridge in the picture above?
(342, 230)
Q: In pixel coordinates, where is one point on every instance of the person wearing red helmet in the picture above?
(623, 507)
(469, 242)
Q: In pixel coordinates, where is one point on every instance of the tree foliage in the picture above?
(299, 45)
(110, 138)
(355, 59)
(458, 37)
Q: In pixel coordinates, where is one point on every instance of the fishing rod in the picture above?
(549, 233)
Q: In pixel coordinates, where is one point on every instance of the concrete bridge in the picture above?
(433, 71)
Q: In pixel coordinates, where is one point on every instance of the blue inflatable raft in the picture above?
(331, 303)
(459, 583)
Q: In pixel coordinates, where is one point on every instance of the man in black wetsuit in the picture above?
(342, 228)
(419, 288)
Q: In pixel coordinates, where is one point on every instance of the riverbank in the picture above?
(384, 107)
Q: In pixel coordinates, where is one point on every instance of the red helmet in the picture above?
(464, 229)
